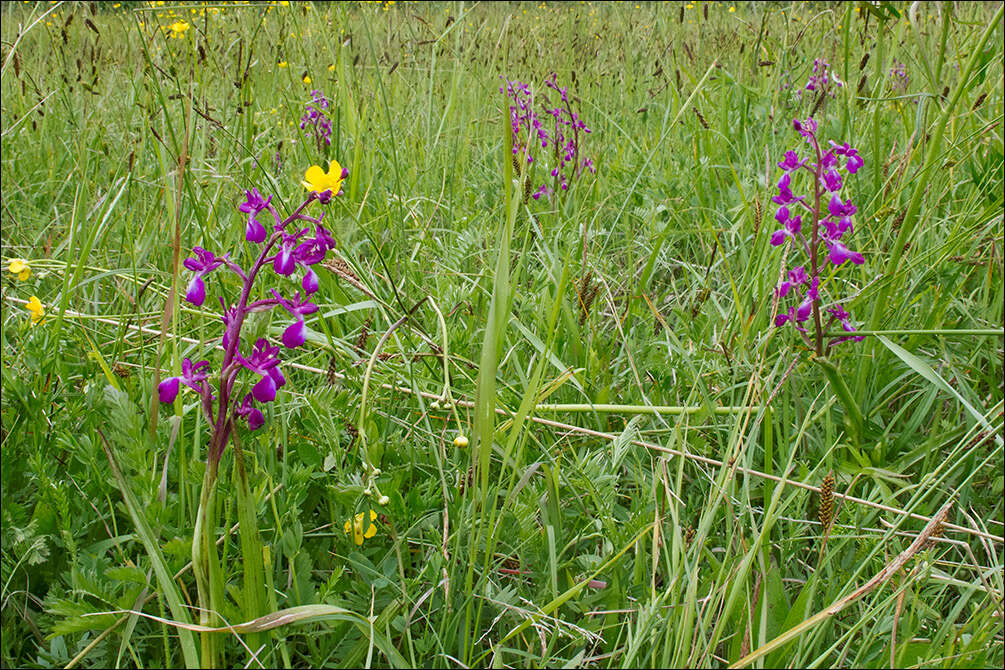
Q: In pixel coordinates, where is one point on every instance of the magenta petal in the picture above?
(295, 334)
(777, 237)
(196, 293)
(254, 231)
(277, 376)
(839, 253)
(255, 419)
(804, 310)
(284, 264)
(167, 390)
(781, 319)
(310, 282)
(265, 389)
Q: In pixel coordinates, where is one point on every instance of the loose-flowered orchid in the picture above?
(283, 250)
(830, 220)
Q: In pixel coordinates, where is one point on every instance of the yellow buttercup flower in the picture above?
(355, 526)
(178, 29)
(307, 80)
(20, 267)
(37, 310)
(319, 181)
(283, 63)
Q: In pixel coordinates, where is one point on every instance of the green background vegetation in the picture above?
(648, 284)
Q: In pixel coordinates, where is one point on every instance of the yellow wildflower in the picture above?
(307, 80)
(283, 63)
(37, 310)
(20, 267)
(178, 29)
(317, 180)
(355, 526)
(460, 442)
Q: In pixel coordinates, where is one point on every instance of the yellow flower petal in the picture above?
(317, 180)
(20, 267)
(37, 310)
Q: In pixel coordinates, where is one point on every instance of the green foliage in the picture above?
(574, 535)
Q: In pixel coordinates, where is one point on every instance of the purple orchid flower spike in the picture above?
(201, 264)
(296, 333)
(829, 219)
(192, 376)
(285, 249)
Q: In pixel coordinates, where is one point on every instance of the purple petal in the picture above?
(804, 310)
(295, 334)
(255, 419)
(167, 390)
(854, 163)
(254, 231)
(794, 226)
(284, 264)
(277, 376)
(265, 389)
(778, 237)
(839, 253)
(196, 293)
(310, 282)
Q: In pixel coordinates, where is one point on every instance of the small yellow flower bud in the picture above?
(461, 442)
(383, 501)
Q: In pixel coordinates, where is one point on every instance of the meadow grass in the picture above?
(645, 450)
